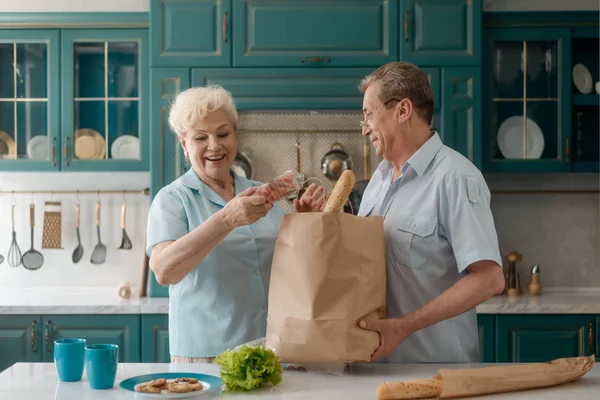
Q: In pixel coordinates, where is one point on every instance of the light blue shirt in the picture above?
(437, 221)
(221, 303)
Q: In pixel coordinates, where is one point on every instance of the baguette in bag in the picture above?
(341, 191)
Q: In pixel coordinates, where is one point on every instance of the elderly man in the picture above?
(442, 250)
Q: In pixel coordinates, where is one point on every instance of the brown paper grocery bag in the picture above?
(328, 272)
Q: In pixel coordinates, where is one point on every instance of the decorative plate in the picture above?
(126, 147)
(38, 148)
(7, 145)
(582, 79)
(210, 384)
(100, 143)
(511, 135)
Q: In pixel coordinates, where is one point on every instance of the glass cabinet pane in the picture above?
(107, 105)
(24, 129)
(525, 104)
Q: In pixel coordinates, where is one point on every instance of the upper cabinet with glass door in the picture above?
(527, 120)
(29, 100)
(104, 125)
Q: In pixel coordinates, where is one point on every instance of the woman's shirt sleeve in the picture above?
(166, 219)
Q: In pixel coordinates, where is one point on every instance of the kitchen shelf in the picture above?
(586, 100)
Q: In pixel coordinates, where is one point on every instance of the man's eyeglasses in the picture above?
(364, 122)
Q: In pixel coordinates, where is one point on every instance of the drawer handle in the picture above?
(316, 59)
(225, 26)
(66, 151)
(406, 26)
(54, 152)
(590, 338)
(47, 336)
(33, 328)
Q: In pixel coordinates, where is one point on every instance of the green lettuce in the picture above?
(248, 367)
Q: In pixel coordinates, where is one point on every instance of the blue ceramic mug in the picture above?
(69, 356)
(101, 362)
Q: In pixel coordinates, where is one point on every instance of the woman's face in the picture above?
(211, 146)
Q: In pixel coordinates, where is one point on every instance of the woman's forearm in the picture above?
(172, 261)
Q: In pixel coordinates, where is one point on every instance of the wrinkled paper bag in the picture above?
(328, 272)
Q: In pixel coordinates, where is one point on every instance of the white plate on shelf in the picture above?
(38, 148)
(126, 147)
(582, 79)
(511, 135)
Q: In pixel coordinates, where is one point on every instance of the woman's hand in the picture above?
(312, 200)
(245, 209)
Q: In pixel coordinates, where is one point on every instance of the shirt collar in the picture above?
(420, 160)
(193, 181)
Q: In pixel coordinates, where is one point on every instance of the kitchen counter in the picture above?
(45, 302)
(29, 381)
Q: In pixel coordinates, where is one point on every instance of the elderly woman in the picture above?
(209, 238)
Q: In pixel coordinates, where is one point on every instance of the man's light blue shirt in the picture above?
(437, 221)
(221, 303)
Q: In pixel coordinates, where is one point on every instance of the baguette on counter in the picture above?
(460, 383)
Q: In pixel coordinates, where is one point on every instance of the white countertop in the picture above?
(29, 381)
(94, 301)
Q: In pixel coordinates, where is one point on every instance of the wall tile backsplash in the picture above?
(560, 232)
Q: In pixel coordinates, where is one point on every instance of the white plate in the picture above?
(211, 385)
(38, 148)
(582, 79)
(126, 147)
(510, 139)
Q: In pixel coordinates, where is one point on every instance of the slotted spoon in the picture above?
(125, 242)
(99, 254)
(32, 259)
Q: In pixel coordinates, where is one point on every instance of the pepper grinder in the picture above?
(535, 286)
(513, 279)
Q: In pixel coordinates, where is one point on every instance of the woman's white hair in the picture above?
(196, 103)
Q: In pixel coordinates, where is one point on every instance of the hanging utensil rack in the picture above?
(145, 191)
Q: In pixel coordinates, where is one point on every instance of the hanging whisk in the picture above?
(14, 253)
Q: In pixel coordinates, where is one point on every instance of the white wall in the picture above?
(58, 269)
(74, 5)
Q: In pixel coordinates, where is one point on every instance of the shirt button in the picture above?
(257, 271)
(412, 224)
(264, 308)
(251, 238)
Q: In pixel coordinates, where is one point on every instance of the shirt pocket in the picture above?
(414, 238)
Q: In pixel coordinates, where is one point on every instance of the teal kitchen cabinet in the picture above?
(104, 118)
(29, 100)
(441, 32)
(288, 88)
(461, 111)
(527, 105)
(486, 324)
(155, 338)
(20, 339)
(188, 33)
(541, 338)
(314, 33)
(73, 100)
(120, 329)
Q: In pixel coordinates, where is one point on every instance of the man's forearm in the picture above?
(467, 293)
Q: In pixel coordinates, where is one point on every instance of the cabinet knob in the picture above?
(567, 151)
(47, 336)
(33, 328)
(316, 59)
(591, 338)
(54, 152)
(66, 151)
(225, 26)
(406, 26)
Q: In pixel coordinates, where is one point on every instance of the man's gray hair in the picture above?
(403, 80)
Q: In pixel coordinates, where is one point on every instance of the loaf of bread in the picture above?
(340, 192)
(415, 389)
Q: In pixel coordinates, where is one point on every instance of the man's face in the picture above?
(378, 123)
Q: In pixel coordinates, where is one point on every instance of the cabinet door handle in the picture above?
(47, 336)
(54, 152)
(316, 59)
(225, 26)
(567, 151)
(33, 328)
(406, 26)
(66, 151)
(591, 338)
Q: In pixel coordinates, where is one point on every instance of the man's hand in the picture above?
(311, 201)
(392, 332)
